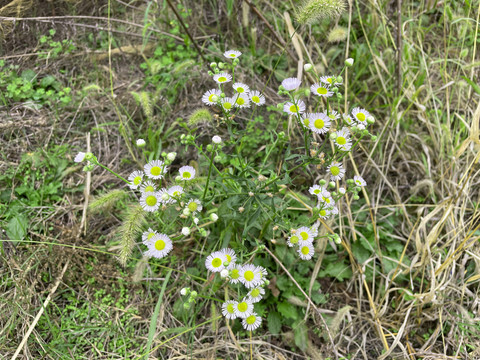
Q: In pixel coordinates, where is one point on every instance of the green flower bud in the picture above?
(164, 154)
(335, 89)
(307, 92)
(210, 73)
(370, 120)
(339, 79)
(322, 182)
(307, 67)
(209, 147)
(349, 62)
(333, 136)
(373, 137)
(217, 158)
(365, 132)
(356, 197)
(221, 65)
(89, 156)
(331, 184)
(213, 65)
(194, 294)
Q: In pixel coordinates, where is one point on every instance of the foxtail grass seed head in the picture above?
(337, 34)
(315, 10)
(200, 116)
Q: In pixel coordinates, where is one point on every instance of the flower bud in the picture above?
(365, 132)
(186, 231)
(322, 182)
(224, 273)
(184, 291)
(213, 65)
(213, 217)
(89, 156)
(307, 67)
(210, 73)
(307, 92)
(331, 184)
(251, 194)
(140, 143)
(171, 156)
(209, 147)
(339, 79)
(333, 136)
(221, 65)
(193, 294)
(373, 137)
(217, 158)
(349, 62)
(356, 197)
(370, 120)
(203, 232)
(216, 139)
(186, 212)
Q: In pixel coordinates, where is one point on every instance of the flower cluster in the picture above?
(343, 130)
(251, 276)
(242, 97)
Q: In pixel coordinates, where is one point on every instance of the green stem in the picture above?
(113, 172)
(209, 172)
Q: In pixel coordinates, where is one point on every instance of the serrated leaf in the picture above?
(274, 322)
(287, 310)
(28, 75)
(17, 228)
(300, 332)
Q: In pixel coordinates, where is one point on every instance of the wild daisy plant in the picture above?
(328, 136)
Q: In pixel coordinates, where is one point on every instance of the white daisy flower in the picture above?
(164, 196)
(150, 201)
(347, 119)
(291, 83)
(249, 276)
(155, 169)
(294, 109)
(244, 308)
(314, 230)
(342, 190)
(329, 80)
(360, 116)
(215, 260)
(321, 90)
(242, 101)
(326, 198)
(293, 240)
(186, 231)
(228, 309)
(333, 210)
(228, 103)
(252, 322)
(194, 205)
(262, 273)
(80, 157)
(241, 87)
(148, 186)
(324, 214)
(316, 190)
(304, 235)
(306, 251)
(147, 235)
(256, 97)
(234, 273)
(222, 78)
(231, 257)
(358, 180)
(210, 96)
(159, 246)
(342, 141)
(135, 179)
(336, 171)
(216, 139)
(232, 54)
(256, 294)
(187, 172)
(306, 120)
(175, 192)
(320, 123)
(334, 115)
(224, 273)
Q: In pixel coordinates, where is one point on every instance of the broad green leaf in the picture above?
(300, 332)
(287, 310)
(338, 270)
(274, 322)
(17, 228)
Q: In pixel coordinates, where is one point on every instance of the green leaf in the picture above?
(300, 332)
(338, 270)
(472, 84)
(274, 322)
(28, 75)
(359, 252)
(47, 81)
(288, 310)
(17, 228)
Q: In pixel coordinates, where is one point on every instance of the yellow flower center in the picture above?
(294, 239)
(254, 293)
(316, 191)
(240, 89)
(304, 235)
(335, 170)
(293, 108)
(319, 124)
(149, 188)
(222, 79)
(176, 193)
(210, 98)
(255, 99)
(251, 320)
(306, 122)
(323, 212)
(341, 140)
(358, 182)
(361, 116)
(229, 258)
(305, 250)
(234, 274)
(227, 105)
(242, 307)
(193, 206)
(160, 245)
(232, 55)
(230, 308)
(249, 275)
(330, 80)
(155, 171)
(240, 101)
(217, 262)
(137, 180)
(150, 235)
(151, 200)
(187, 175)
(322, 91)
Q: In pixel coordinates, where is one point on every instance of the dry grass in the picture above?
(422, 176)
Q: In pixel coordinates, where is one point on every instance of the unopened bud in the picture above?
(213, 65)
(370, 120)
(171, 156)
(251, 194)
(339, 79)
(213, 217)
(307, 92)
(307, 67)
(140, 143)
(349, 62)
(333, 136)
(331, 184)
(241, 209)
